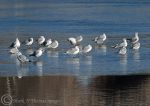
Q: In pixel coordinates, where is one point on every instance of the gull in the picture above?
(123, 44)
(75, 41)
(15, 44)
(47, 42)
(135, 38)
(37, 53)
(22, 58)
(41, 40)
(28, 42)
(123, 50)
(136, 45)
(73, 51)
(79, 38)
(14, 50)
(72, 40)
(100, 39)
(54, 44)
(87, 49)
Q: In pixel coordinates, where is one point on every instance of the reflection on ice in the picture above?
(123, 62)
(39, 65)
(74, 64)
(75, 61)
(22, 70)
(87, 60)
(123, 59)
(52, 53)
(136, 55)
(84, 80)
(14, 58)
(101, 49)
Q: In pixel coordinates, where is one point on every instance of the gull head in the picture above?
(124, 39)
(31, 39)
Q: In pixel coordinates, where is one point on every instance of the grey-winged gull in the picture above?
(87, 49)
(15, 44)
(100, 39)
(73, 51)
(41, 40)
(38, 52)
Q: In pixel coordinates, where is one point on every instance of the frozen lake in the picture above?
(59, 20)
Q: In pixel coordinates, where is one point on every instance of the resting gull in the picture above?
(47, 42)
(38, 52)
(29, 42)
(15, 44)
(41, 40)
(100, 39)
(135, 38)
(123, 44)
(87, 49)
(22, 58)
(54, 44)
(75, 41)
(73, 51)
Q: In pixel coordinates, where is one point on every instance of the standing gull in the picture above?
(22, 58)
(75, 41)
(100, 39)
(47, 42)
(79, 39)
(123, 44)
(54, 44)
(72, 40)
(87, 49)
(41, 40)
(37, 53)
(135, 44)
(73, 51)
(135, 39)
(15, 44)
(28, 42)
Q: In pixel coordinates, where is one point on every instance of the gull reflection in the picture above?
(39, 65)
(22, 70)
(123, 62)
(52, 53)
(101, 49)
(84, 80)
(87, 64)
(74, 64)
(88, 60)
(53, 57)
(19, 74)
(74, 61)
(14, 80)
(14, 58)
(136, 55)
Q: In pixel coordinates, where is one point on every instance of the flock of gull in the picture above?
(75, 50)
